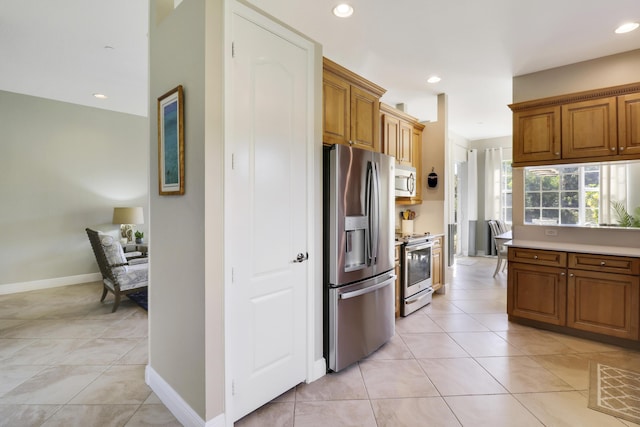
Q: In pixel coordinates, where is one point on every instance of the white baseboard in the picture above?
(319, 370)
(13, 288)
(176, 404)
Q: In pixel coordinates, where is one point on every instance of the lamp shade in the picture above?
(128, 216)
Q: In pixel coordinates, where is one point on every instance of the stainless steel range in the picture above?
(417, 262)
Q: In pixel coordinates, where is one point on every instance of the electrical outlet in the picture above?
(550, 232)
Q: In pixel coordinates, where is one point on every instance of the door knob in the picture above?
(302, 257)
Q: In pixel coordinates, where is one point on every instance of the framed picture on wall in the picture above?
(171, 142)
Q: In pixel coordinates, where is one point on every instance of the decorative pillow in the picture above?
(112, 249)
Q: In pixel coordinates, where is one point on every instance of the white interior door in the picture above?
(267, 209)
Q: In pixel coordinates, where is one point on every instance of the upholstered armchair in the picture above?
(120, 275)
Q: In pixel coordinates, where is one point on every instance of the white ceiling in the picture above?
(57, 49)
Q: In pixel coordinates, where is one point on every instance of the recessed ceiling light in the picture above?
(343, 10)
(100, 95)
(433, 79)
(625, 28)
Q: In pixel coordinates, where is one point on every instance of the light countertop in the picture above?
(575, 247)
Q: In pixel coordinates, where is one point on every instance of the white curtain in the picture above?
(463, 209)
(472, 185)
(492, 183)
(472, 200)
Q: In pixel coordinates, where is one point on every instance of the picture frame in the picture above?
(171, 142)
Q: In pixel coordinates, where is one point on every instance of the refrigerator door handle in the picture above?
(369, 213)
(367, 290)
(376, 213)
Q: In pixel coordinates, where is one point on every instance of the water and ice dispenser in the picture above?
(355, 253)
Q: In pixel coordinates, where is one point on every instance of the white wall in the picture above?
(64, 167)
(186, 331)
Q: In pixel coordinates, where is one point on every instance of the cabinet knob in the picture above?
(557, 154)
(613, 148)
(562, 274)
(621, 148)
(535, 257)
(602, 263)
(571, 275)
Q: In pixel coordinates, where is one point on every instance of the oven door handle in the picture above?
(368, 289)
(420, 298)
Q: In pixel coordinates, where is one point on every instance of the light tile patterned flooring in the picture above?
(66, 360)
(457, 362)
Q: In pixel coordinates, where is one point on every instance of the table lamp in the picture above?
(127, 218)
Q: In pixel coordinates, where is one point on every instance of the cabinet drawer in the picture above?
(437, 242)
(605, 263)
(538, 257)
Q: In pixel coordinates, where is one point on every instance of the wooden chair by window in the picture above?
(120, 276)
(499, 245)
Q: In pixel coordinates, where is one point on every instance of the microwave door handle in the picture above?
(411, 183)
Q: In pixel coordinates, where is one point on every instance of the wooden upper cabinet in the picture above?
(589, 129)
(390, 135)
(402, 139)
(592, 126)
(350, 108)
(536, 135)
(405, 144)
(398, 135)
(336, 109)
(365, 110)
(418, 128)
(629, 124)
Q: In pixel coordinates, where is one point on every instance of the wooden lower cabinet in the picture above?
(537, 293)
(589, 294)
(604, 303)
(436, 252)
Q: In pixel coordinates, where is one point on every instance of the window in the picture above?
(563, 195)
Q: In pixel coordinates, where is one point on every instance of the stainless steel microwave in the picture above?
(405, 181)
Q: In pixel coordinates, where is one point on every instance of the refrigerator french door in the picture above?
(358, 253)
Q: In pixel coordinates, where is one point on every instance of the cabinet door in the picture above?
(405, 142)
(436, 275)
(416, 146)
(629, 124)
(365, 119)
(589, 129)
(536, 135)
(391, 132)
(604, 303)
(335, 109)
(537, 293)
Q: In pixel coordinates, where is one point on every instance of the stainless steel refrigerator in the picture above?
(359, 276)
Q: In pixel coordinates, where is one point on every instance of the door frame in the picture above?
(315, 365)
